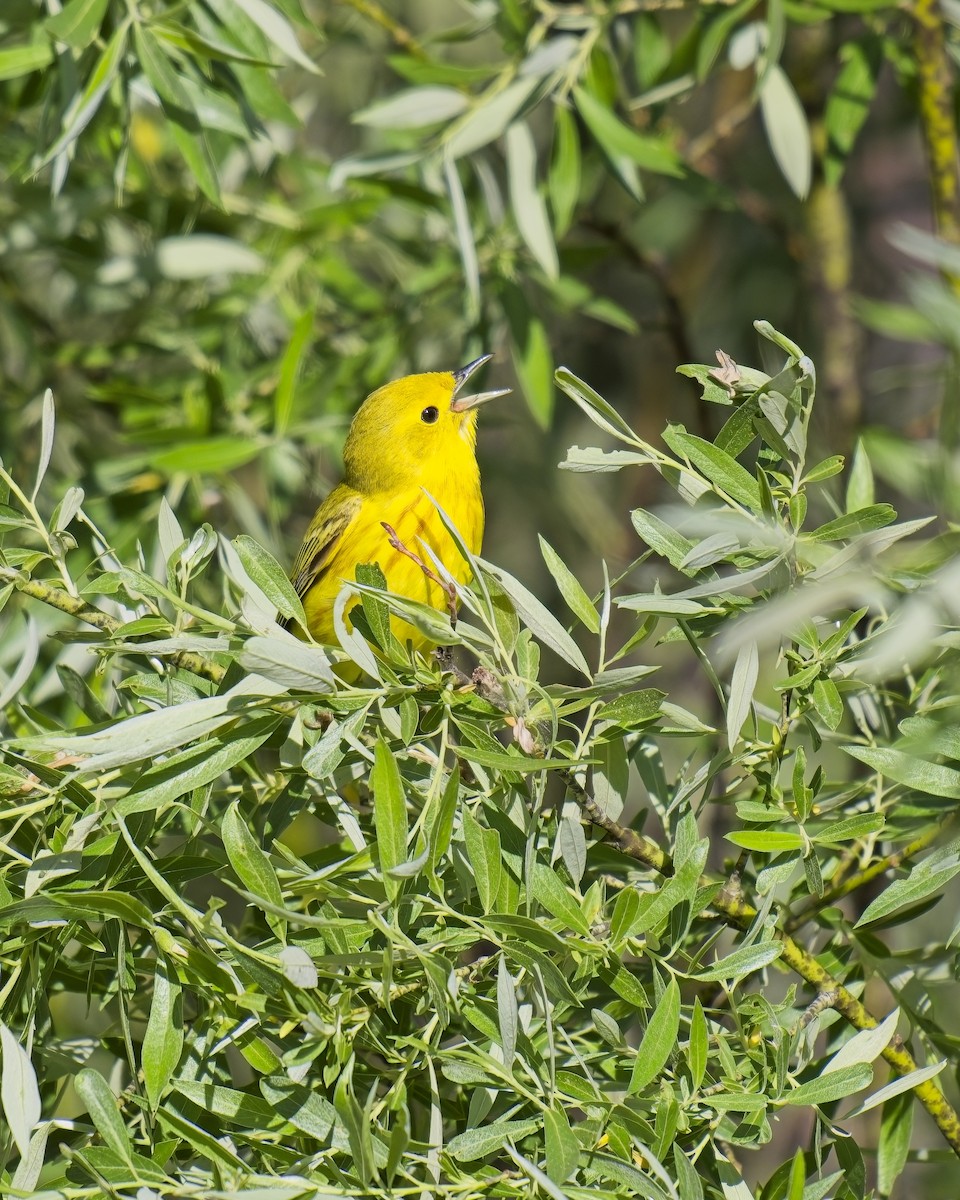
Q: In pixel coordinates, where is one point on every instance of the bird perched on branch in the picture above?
(412, 439)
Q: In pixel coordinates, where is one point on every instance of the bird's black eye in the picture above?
(429, 415)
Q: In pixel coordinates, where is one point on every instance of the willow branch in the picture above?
(739, 913)
(379, 16)
(937, 119)
(75, 607)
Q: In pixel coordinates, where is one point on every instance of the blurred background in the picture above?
(223, 223)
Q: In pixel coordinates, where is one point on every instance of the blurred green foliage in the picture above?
(357, 942)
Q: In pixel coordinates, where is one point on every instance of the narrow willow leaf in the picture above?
(742, 685)
(617, 139)
(597, 409)
(17, 61)
(254, 869)
(277, 30)
(549, 890)
(529, 210)
(903, 768)
(893, 1145)
(697, 1046)
(84, 108)
(507, 1012)
(47, 427)
(270, 578)
(483, 850)
(489, 1140)
(562, 1147)
(390, 815)
(766, 841)
(865, 520)
(720, 468)
(28, 660)
(290, 367)
(564, 180)
(742, 962)
(19, 1093)
(903, 1084)
(463, 229)
(787, 130)
(570, 587)
(163, 1038)
(101, 1104)
(27, 1174)
(659, 1039)
(903, 893)
(413, 108)
(489, 117)
(864, 1046)
(538, 618)
(827, 1088)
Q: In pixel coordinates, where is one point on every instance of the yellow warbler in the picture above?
(411, 440)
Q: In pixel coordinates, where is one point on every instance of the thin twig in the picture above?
(75, 607)
(448, 589)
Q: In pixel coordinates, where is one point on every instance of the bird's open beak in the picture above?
(464, 403)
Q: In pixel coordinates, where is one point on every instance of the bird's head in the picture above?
(413, 425)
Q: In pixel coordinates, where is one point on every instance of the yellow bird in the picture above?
(411, 440)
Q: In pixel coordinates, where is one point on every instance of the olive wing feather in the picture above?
(325, 530)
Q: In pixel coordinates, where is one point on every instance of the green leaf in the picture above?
(563, 183)
(19, 1093)
(483, 850)
(531, 353)
(659, 1039)
(252, 866)
(463, 228)
(787, 130)
(742, 962)
(538, 618)
(875, 516)
(718, 467)
(765, 841)
(893, 1145)
(633, 709)
(82, 111)
(553, 895)
(390, 815)
(16, 61)
(834, 1086)
(562, 1147)
(827, 701)
(101, 1105)
(742, 685)
(163, 1038)
(570, 588)
(904, 893)
(270, 578)
(930, 778)
(200, 255)
(277, 30)
(620, 141)
(488, 118)
(593, 404)
(903, 1084)
(529, 210)
(489, 1140)
(697, 1047)
(290, 367)
(413, 108)
(849, 101)
(77, 23)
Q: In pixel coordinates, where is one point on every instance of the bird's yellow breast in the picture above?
(414, 518)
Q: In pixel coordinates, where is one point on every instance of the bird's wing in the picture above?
(325, 530)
